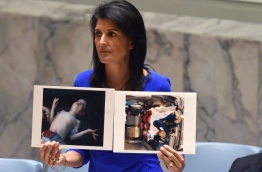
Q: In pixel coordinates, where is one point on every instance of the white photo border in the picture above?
(189, 138)
(108, 116)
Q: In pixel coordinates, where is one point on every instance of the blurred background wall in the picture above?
(49, 42)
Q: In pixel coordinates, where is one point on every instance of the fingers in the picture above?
(55, 101)
(174, 153)
(173, 160)
(95, 135)
(53, 150)
(50, 152)
(56, 154)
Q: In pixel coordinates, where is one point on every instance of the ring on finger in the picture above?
(171, 163)
(53, 159)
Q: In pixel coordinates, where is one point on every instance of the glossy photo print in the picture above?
(152, 120)
(74, 117)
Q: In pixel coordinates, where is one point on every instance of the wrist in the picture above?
(60, 164)
(62, 160)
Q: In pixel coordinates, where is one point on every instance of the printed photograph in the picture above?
(73, 117)
(154, 120)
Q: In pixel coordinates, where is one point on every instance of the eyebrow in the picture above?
(108, 29)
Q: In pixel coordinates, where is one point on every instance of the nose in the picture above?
(103, 41)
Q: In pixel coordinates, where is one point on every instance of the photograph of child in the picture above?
(74, 117)
(154, 121)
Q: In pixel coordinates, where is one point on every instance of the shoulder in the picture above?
(245, 162)
(84, 74)
(251, 157)
(82, 79)
(157, 82)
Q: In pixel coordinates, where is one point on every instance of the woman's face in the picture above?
(112, 45)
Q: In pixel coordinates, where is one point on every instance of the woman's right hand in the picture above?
(50, 153)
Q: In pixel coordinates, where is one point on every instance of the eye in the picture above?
(98, 34)
(112, 34)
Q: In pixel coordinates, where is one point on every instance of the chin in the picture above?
(104, 61)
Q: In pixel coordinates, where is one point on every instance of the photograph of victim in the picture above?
(73, 117)
(152, 121)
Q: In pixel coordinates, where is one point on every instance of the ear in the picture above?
(131, 46)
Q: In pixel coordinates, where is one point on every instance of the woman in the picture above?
(119, 53)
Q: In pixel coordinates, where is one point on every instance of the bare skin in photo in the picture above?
(65, 122)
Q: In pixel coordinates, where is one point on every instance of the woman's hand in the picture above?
(173, 160)
(50, 153)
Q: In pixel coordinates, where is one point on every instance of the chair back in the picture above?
(84, 168)
(217, 157)
(21, 165)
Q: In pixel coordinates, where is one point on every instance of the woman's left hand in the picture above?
(173, 160)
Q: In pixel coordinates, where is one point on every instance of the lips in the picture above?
(104, 51)
(104, 54)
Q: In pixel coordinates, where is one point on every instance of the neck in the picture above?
(72, 112)
(116, 77)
